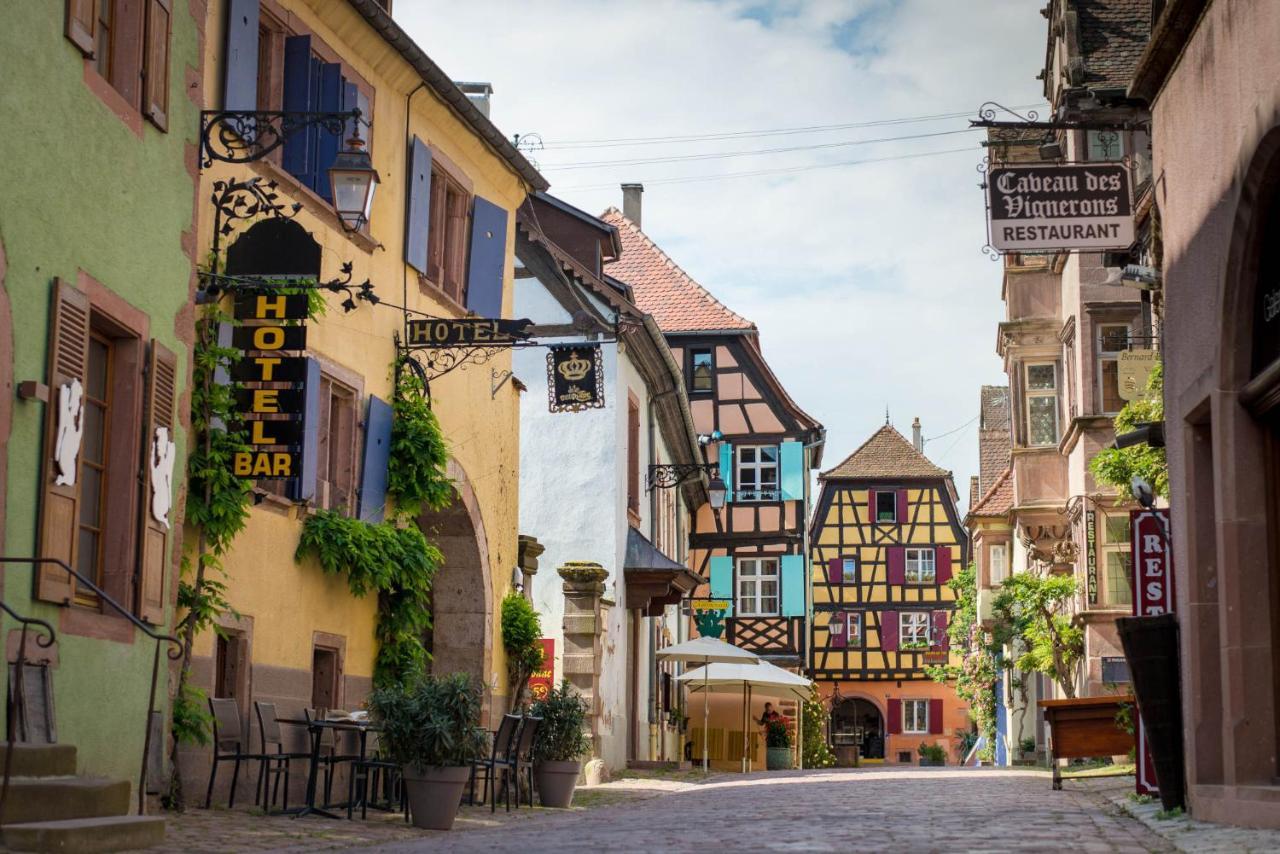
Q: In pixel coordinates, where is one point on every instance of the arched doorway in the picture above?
(857, 722)
(461, 636)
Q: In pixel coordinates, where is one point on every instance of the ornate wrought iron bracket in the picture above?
(240, 201)
(243, 136)
(669, 475)
(1031, 121)
(214, 284)
(432, 363)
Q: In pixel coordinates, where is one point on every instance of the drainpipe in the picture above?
(654, 712)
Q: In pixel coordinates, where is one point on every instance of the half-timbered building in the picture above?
(886, 539)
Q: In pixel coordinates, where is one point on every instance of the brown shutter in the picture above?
(155, 63)
(81, 26)
(60, 505)
(153, 558)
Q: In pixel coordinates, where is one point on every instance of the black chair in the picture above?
(228, 745)
(275, 764)
(522, 758)
(332, 745)
(499, 759)
(367, 772)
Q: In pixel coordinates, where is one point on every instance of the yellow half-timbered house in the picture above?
(886, 539)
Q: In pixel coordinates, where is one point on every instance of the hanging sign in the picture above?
(1091, 554)
(575, 377)
(269, 369)
(466, 332)
(272, 418)
(1051, 208)
(264, 305)
(1133, 368)
(1152, 596)
(269, 338)
(270, 401)
(542, 680)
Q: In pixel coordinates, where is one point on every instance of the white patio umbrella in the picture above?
(729, 677)
(708, 651)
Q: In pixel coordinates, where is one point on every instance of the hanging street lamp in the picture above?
(353, 180)
(669, 475)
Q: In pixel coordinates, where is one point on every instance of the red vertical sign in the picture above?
(543, 679)
(1152, 596)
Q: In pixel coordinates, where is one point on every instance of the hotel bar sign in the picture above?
(1055, 208)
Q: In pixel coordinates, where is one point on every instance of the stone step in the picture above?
(76, 835)
(33, 799)
(41, 760)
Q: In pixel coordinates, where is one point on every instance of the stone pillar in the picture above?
(583, 587)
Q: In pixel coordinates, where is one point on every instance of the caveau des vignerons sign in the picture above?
(1047, 208)
(271, 411)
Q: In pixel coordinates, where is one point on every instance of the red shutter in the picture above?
(943, 561)
(902, 506)
(837, 630)
(81, 25)
(153, 559)
(155, 63)
(889, 631)
(835, 570)
(895, 717)
(871, 506)
(935, 717)
(940, 638)
(896, 556)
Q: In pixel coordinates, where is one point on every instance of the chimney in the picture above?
(478, 94)
(631, 201)
(916, 438)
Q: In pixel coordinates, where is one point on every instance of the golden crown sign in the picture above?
(575, 369)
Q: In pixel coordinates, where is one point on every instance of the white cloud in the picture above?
(866, 281)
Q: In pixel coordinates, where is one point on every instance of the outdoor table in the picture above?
(316, 728)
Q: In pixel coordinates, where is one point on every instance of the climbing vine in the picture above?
(815, 751)
(976, 677)
(1118, 466)
(417, 479)
(521, 630)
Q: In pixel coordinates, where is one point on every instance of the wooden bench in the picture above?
(1086, 727)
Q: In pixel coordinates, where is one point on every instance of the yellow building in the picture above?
(885, 541)
(439, 242)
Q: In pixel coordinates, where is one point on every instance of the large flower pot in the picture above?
(777, 758)
(556, 782)
(435, 794)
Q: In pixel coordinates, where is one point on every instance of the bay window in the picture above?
(1042, 404)
(1113, 339)
(1117, 562)
(998, 564)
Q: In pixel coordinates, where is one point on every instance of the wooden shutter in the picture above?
(940, 638)
(297, 97)
(894, 723)
(304, 486)
(81, 25)
(488, 258)
(835, 570)
(902, 507)
(726, 470)
(896, 557)
(417, 223)
(889, 631)
(722, 580)
(153, 553)
(60, 505)
(155, 63)
(791, 567)
(935, 717)
(327, 144)
(838, 630)
(791, 463)
(942, 562)
(871, 506)
(343, 432)
(377, 456)
(633, 456)
(240, 73)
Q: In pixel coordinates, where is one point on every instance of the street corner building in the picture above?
(885, 540)
(435, 245)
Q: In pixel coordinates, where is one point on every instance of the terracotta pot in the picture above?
(556, 782)
(435, 794)
(777, 758)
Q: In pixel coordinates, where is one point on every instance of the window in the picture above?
(106, 12)
(336, 454)
(915, 717)
(920, 566)
(849, 570)
(94, 454)
(913, 629)
(127, 43)
(1042, 404)
(1104, 145)
(447, 235)
(1113, 339)
(1117, 561)
(702, 368)
(325, 668)
(853, 628)
(633, 458)
(758, 587)
(757, 473)
(886, 506)
(998, 568)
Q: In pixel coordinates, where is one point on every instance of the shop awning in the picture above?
(654, 580)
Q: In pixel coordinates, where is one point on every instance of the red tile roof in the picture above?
(999, 498)
(676, 301)
(887, 455)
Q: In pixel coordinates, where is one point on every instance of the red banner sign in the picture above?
(1152, 596)
(544, 678)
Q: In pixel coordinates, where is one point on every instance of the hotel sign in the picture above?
(1053, 208)
(1152, 596)
(575, 377)
(466, 332)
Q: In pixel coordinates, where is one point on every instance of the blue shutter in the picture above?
(791, 483)
(726, 469)
(418, 218)
(327, 144)
(793, 580)
(377, 455)
(722, 581)
(304, 488)
(488, 258)
(297, 98)
(351, 101)
(240, 71)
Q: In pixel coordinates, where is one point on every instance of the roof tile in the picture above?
(999, 498)
(887, 454)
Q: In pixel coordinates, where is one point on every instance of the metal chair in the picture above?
(330, 755)
(499, 757)
(272, 764)
(228, 745)
(522, 760)
(367, 772)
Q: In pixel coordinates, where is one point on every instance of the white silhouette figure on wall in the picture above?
(66, 447)
(163, 451)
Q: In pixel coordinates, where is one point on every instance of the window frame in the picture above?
(1106, 548)
(853, 638)
(1031, 394)
(926, 621)
(1003, 549)
(694, 353)
(1109, 356)
(758, 577)
(923, 714)
(845, 563)
(328, 452)
(892, 496)
(757, 494)
(919, 553)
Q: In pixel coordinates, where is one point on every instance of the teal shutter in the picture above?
(791, 455)
(488, 258)
(726, 469)
(722, 581)
(377, 455)
(792, 570)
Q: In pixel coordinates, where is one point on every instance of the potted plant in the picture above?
(777, 743)
(560, 744)
(430, 728)
(932, 755)
(1027, 747)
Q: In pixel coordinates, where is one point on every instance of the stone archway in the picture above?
(461, 636)
(858, 721)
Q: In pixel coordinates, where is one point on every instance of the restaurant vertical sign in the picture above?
(1152, 596)
(542, 680)
(1067, 207)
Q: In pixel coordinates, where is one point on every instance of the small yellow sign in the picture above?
(1134, 368)
(709, 605)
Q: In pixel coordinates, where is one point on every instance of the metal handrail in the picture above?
(174, 653)
(44, 640)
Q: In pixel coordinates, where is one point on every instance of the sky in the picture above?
(866, 279)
